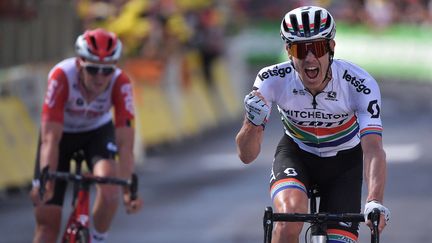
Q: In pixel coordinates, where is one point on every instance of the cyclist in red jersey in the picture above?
(76, 115)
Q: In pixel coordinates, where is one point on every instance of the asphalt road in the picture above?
(200, 191)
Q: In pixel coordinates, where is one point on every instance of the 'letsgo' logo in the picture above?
(281, 72)
(358, 83)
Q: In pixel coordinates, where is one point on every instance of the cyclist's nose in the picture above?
(310, 55)
(101, 77)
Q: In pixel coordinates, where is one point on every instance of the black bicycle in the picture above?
(77, 227)
(318, 221)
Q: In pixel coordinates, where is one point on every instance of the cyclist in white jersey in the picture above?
(330, 110)
(76, 115)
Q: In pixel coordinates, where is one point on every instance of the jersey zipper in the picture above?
(314, 102)
(314, 106)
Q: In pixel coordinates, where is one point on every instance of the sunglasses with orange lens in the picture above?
(301, 49)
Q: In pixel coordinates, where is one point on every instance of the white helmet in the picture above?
(306, 24)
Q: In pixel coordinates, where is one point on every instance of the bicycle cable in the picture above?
(306, 233)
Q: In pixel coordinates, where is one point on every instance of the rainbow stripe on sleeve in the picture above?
(371, 130)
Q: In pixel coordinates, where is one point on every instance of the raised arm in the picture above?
(249, 140)
(250, 135)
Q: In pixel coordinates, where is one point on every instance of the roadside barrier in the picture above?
(173, 101)
(17, 143)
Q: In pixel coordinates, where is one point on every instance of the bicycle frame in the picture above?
(318, 221)
(77, 227)
(79, 218)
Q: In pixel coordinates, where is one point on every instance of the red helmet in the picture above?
(98, 45)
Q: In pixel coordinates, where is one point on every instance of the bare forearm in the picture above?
(249, 141)
(126, 165)
(125, 143)
(375, 174)
(51, 133)
(49, 155)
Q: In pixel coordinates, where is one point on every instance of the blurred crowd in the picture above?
(157, 30)
(146, 25)
(160, 29)
(203, 23)
(372, 12)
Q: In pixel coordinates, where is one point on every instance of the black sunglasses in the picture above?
(94, 69)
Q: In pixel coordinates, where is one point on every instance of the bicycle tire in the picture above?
(83, 236)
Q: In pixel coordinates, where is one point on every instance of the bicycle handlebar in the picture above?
(319, 217)
(270, 217)
(46, 175)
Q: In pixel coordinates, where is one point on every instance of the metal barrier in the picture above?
(46, 35)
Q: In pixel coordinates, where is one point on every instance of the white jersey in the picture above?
(332, 120)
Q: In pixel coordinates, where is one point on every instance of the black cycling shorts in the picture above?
(97, 144)
(338, 178)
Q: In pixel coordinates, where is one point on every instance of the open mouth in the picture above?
(312, 72)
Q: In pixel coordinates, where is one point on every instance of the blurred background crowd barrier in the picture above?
(191, 61)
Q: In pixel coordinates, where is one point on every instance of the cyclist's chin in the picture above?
(311, 82)
(98, 88)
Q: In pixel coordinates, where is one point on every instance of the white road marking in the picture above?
(220, 161)
(402, 153)
(395, 153)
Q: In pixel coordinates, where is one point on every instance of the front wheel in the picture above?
(83, 236)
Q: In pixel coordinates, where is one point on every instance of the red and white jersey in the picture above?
(330, 121)
(64, 102)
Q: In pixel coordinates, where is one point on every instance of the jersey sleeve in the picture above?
(263, 85)
(123, 101)
(367, 98)
(55, 97)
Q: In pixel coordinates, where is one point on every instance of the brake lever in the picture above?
(374, 217)
(133, 187)
(43, 178)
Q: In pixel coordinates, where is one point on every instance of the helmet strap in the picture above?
(331, 54)
(81, 80)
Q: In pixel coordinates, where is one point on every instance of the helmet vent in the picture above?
(317, 22)
(329, 21)
(110, 43)
(93, 41)
(305, 21)
(294, 24)
(284, 25)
